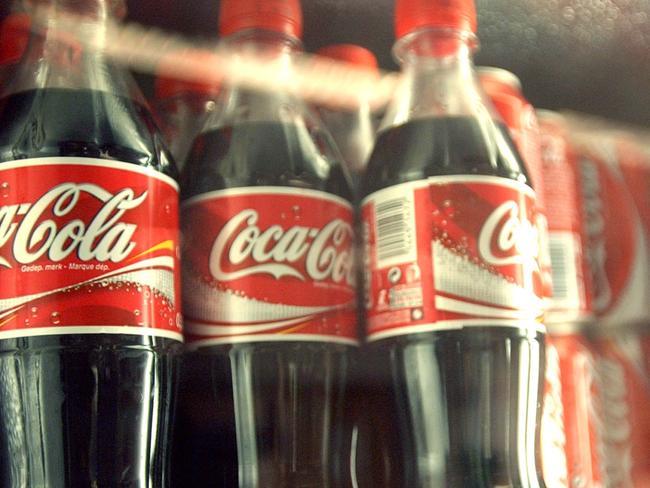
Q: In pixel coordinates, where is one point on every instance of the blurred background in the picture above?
(591, 56)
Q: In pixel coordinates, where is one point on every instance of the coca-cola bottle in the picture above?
(89, 267)
(268, 275)
(454, 300)
(505, 92)
(518, 115)
(183, 107)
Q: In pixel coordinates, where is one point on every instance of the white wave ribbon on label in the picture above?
(209, 330)
(205, 303)
(464, 279)
(147, 273)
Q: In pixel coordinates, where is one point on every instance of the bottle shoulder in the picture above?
(65, 122)
(264, 154)
(428, 147)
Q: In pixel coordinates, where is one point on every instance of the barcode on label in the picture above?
(566, 289)
(395, 230)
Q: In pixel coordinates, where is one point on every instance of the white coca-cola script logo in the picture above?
(594, 223)
(516, 238)
(104, 238)
(326, 251)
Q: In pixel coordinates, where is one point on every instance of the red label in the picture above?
(644, 339)
(613, 236)
(520, 119)
(268, 263)
(635, 166)
(450, 252)
(581, 407)
(570, 298)
(624, 403)
(87, 246)
(529, 144)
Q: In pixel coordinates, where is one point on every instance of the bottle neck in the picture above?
(90, 21)
(242, 104)
(272, 47)
(267, 44)
(438, 77)
(57, 56)
(91, 9)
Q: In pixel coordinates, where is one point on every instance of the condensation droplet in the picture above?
(26, 321)
(568, 13)
(447, 203)
(136, 312)
(168, 209)
(4, 189)
(34, 311)
(55, 318)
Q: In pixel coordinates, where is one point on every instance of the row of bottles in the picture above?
(421, 365)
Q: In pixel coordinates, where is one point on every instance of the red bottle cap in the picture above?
(350, 53)
(14, 34)
(411, 15)
(283, 16)
(168, 87)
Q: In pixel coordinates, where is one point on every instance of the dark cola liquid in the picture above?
(467, 401)
(262, 414)
(83, 410)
